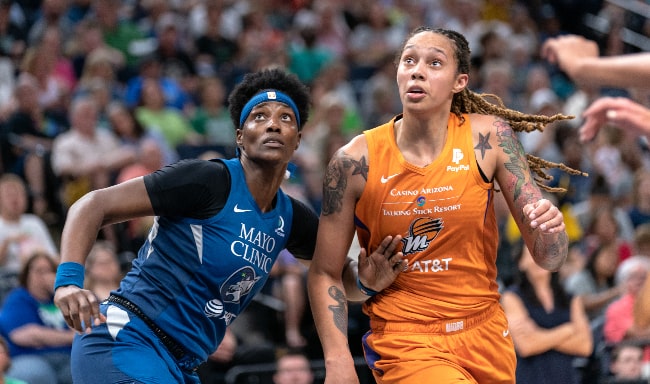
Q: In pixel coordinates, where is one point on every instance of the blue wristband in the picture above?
(69, 273)
(365, 290)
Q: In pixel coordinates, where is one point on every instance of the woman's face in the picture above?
(427, 72)
(606, 262)
(40, 281)
(270, 133)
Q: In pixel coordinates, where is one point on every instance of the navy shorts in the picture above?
(125, 350)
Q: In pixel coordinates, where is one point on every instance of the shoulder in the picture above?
(488, 123)
(188, 171)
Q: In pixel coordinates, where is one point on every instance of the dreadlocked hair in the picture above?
(468, 101)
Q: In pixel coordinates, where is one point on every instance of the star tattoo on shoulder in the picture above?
(483, 144)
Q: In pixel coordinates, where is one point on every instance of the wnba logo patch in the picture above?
(421, 232)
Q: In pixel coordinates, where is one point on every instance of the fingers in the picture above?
(80, 310)
(545, 216)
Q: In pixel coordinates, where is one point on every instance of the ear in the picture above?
(239, 137)
(461, 82)
(299, 138)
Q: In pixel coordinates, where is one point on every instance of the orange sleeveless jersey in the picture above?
(445, 214)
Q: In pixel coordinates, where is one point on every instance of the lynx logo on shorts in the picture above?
(422, 231)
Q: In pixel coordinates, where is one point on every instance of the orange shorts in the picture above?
(476, 349)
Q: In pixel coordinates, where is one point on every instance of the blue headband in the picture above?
(270, 95)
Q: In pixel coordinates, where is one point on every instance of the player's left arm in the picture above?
(540, 222)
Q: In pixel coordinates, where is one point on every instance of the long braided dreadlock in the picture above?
(468, 101)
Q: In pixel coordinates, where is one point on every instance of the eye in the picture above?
(286, 117)
(409, 60)
(436, 63)
(259, 116)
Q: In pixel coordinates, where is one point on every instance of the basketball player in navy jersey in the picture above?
(219, 227)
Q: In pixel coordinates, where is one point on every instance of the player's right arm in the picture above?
(344, 181)
(85, 218)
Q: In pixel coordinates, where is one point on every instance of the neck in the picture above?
(421, 141)
(263, 183)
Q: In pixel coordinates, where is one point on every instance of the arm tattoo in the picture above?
(335, 180)
(483, 144)
(515, 151)
(339, 310)
(550, 251)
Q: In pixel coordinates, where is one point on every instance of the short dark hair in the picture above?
(267, 79)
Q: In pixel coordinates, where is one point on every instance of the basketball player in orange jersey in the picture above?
(429, 178)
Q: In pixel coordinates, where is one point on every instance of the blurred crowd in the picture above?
(95, 92)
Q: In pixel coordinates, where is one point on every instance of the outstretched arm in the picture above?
(619, 111)
(579, 58)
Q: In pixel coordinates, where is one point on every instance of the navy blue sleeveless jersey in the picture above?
(210, 249)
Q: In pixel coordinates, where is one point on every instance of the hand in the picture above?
(568, 51)
(382, 267)
(545, 216)
(80, 307)
(619, 111)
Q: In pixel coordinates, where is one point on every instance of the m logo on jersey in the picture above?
(422, 231)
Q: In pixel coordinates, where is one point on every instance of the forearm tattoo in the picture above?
(335, 181)
(339, 310)
(483, 144)
(551, 250)
(515, 151)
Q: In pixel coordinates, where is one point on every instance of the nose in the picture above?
(273, 124)
(416, 71)
(416, 74)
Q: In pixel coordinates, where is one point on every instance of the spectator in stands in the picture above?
(119, 32)
(293, 367)
(5, 364)
(154, 114)
(549, 327)
(211, 119)
(626, 364)
(52, 14)
(99, 67)
(103, 270)
(575, 156)
(306, 59)
(89, 42)
(39, 64)
(132, 134)
(215, 51)
(21, 233)
(175, 60)
(599, 198)
(86, 158)
(595, 281)
(603, 230)
(149, 68)
(26, 142)
(619, 321)
(639, 211)
(642, 240)
(39, 340)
